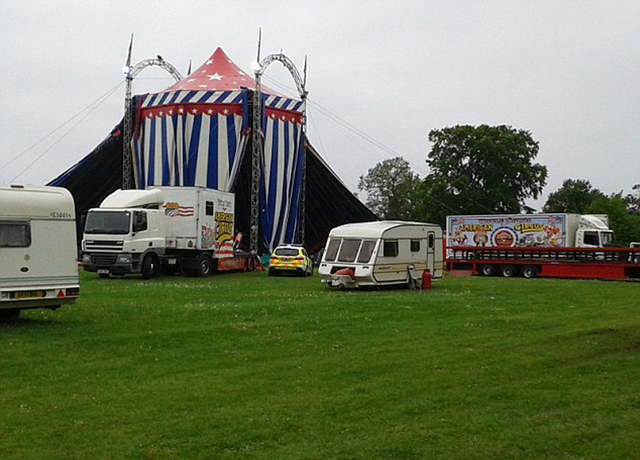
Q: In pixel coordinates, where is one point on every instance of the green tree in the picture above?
(633, 200)
(573, 196)
(481, 170)
(391, 189)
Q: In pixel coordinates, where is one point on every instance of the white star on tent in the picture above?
(225, 111)
(210, 111)
(161, 114)
(171, 112)
(209, 62)
(194, 111)
(191, 79)
(150, 115)
(215, 76)
(181, 110)
(283, 117)
(202, 86)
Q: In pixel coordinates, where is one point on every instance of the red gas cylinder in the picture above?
(426, 280)
(346, 271)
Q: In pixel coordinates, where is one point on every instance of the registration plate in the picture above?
(103, 271)
(29, 294)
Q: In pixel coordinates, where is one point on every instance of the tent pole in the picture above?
(126, 141)
(256, 144)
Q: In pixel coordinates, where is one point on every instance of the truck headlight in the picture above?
(124, 259)
(86, 258)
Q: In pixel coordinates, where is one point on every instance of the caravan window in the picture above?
(349, 250)
(332, 249)
(390, 248)
(15, 235)
(365, 251)
(415, 245)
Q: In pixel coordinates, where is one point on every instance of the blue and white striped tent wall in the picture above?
(282, 165)
(187, 138)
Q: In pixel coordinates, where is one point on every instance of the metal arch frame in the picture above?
(130, 74)
(257, 143)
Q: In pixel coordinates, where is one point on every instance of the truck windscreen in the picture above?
(607, 239)
(108, 222)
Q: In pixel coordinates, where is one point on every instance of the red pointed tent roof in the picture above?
(218, 73)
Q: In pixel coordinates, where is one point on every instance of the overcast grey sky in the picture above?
(567, 71)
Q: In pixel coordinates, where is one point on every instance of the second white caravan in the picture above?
(381, 253)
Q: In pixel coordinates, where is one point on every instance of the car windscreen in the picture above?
(287, 252)
(349, 250)
(108, 222)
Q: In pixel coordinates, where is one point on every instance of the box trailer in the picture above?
(144, 231)
(381, 253)
(38, 249)
(559, 230)
(546, 245)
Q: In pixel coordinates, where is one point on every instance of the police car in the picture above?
(291, 259)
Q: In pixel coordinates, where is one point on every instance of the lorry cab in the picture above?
(592, 238)
(381, 253)
(38, 250)
(126, 228)
(593, 232)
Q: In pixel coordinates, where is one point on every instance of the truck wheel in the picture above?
(205, 265)
(529, 271)
(149, 264)
(488, 270)
(508, 271)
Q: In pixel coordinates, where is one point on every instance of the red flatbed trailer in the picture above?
(592, 263)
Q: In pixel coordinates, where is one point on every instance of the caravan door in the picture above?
(431, 251)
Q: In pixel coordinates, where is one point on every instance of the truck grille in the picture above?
(93, 244)
(103, 260)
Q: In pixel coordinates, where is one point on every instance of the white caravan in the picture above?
(381, 253)
(38, 251)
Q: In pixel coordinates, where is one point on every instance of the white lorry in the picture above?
(38, 249)
(530, 230)
(381, 253)
(144, 231)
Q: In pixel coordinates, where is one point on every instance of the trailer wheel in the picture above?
(205, 265)
(508, 271)
(488, 270)
(9, 315)
(529, 271)
(103, 275)
(149, 266)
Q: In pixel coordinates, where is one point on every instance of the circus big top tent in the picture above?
(196, 133)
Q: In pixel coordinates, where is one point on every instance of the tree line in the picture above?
(488, 170)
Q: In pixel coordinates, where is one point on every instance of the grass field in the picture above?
(247, 366)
